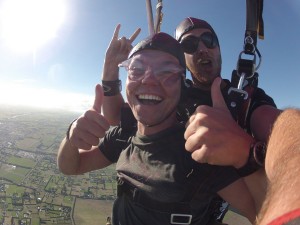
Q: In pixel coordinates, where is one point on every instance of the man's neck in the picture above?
(202, 86)
(206, 86)
(153, 129)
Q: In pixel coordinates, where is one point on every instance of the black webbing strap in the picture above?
(254, 24)
(139, 197)
(260, 26)
(241, 99)
(245, 77)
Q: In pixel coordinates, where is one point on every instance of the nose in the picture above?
(149, 78)
(202, 49)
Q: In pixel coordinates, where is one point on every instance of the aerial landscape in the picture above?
(32, 190)
(54, 52)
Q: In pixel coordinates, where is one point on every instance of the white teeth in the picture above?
(203, 61)
(150, 97)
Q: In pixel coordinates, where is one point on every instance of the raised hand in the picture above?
(89, 127)
(119, 48)
(212, 136)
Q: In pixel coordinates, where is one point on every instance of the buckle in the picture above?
(181, 219)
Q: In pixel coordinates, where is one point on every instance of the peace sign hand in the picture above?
(119, 48)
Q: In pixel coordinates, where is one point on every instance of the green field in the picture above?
(19, 161)
(32, 190)
(13, 173)
(92, 212)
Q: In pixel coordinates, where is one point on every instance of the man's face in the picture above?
(153, 86)
(205, 62)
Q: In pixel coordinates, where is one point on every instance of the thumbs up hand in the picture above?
(212, 136)
(89, 127)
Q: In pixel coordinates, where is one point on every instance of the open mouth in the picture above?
(149, 99)
(204, 62)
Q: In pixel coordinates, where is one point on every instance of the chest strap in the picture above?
(180, 212)
(139, 197)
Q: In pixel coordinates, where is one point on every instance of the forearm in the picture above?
(238, 196)
(73, 161)
(112, 104)
(112, 108)
(282, 197)
(68, 158)
(282, 167)
(116, 53)
(262, 121)
(257, 185)
(110, 70)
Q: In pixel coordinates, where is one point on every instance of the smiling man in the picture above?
(158, 181)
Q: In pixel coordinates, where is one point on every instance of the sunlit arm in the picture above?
(282, 168)
(116, 53)
(73, 161)
(239, 197)
(111, 107)
(262, 121)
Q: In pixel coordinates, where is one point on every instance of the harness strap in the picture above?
(241, 99)
(254, 23)
(245, 78)
(180, 212)
(141, 198)
(260, 27)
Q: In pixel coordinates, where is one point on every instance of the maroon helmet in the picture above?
(191, 23)
(162, 42)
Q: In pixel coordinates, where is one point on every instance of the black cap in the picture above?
(162, 42)
(189, 24)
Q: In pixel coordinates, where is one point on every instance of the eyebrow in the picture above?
(164, 63)
(167, 63)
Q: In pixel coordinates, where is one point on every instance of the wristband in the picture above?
(68, 131)
(111, 88)
(256, 159)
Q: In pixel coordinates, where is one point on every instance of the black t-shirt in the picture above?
(202, 203)
(161, 168)
(196, 97)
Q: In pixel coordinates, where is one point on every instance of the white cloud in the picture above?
(19, 94)
(56, 72)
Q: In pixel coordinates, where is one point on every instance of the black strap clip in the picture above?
(183, 219)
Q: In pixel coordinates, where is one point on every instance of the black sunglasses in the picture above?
(190, 43)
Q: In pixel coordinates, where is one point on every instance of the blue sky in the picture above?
(63, 69)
